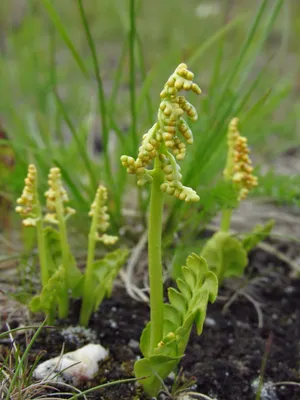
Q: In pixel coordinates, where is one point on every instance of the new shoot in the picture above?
(227, 255)
(100, 223)
(29, 208)
(60, 275)
(57, 200)
(238, 168)
(163, 145)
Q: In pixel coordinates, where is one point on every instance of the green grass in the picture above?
(17, 370)
(76, 72)
(73, 72)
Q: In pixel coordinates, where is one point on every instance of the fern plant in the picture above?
(60, 274)
(164, 339)
(227, 255)
(187, 305)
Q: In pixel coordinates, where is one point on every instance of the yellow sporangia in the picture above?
(28, 202)
(56, 196)
(239, 165)
(99, 212)
(168, 137)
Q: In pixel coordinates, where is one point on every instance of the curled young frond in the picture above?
(171, 109)
(56, 196)
(239, 165)
(28, 202)
(99, 212)
(168, 136)
(172, 184)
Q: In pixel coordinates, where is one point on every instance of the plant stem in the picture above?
(132, 73)
(226, 220)
(42, 249)
(263, 366)
(154, 256)
(64, 303)
(87, 302)
(132, 33)
(41, 240)
(225, 225)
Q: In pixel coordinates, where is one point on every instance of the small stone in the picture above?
(230, 340)
(172, 376)
(133, 344)
(210, 322)
(113, 324)
(74, 367)
(289, 290)
(268, 391)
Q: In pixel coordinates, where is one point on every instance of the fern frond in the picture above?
(187, 305)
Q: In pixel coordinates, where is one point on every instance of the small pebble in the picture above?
(268, 391)
(210, 322)
(73, 367)
(289, 290)
(113, 324)
(133, 344)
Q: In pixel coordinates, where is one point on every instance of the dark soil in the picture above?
(227, 357)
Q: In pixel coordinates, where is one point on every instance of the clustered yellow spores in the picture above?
(27, 201)
(56, 192)
(163, 138)
(239, 169)
(99, 211)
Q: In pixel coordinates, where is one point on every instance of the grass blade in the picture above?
(22, 360)
(59, 25)
(80, 146)
(101, 96)
(132, 75)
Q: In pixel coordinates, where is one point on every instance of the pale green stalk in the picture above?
(87, 302)
(226, 220)
(227, 213)
(132, 34)
(63, 306)
(41, 245)
(154, 255)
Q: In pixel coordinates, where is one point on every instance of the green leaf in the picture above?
(225, 255)
(188, 304)
(75, 276)
(54, 257)
(77, 290)
(177, 300)
(145, 341)
(50, 293)
(201, 314)
(168, 327)
(189, 277)
(105, 272)
(157, 368)
(171, 314)
(52, 242)
(257, 235)
(184, 289)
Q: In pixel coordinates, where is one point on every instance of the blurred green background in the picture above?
(57, 56)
